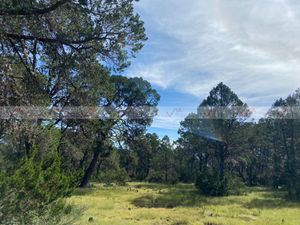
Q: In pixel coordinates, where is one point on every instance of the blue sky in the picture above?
(252, 46)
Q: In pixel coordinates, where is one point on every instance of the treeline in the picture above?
(221, 149)
(145, 158)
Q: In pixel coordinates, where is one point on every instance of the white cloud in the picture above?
(252, 45)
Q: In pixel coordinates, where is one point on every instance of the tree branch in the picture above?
(52, 40)
(28, 12)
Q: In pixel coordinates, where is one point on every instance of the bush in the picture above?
(173, 177)
(209, 183)
(235, 185)
(118, 176)
(159, 177)
(155, 176)
(34, 188)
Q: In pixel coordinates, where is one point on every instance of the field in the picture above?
(153, 204)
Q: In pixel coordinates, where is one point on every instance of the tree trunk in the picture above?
(292, 168)
(91, 168)
(222, 156)
(89, 171)
(166, 167)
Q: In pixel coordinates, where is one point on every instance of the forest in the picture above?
(71, 120)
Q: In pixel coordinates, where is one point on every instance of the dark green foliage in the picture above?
(118, 177)
(209, 184)
(109, 170)
(154, 159)
(192, 153)
(163, 164)
(114, 33)
(283, 121)
(254, 158)
(60, 54)
(131, 105)
(159, 177)
(33, 188)
(209, 139)
(156, 176)
(235, 185)
(252, 153)
(129, 161)
(145, 148)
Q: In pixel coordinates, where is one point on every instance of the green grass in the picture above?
(154, 204)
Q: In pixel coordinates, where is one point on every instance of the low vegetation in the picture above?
(181, 204)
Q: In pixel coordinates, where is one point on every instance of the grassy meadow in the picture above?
(156, 204)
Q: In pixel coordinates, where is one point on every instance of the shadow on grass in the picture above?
(170, 199)
(93, 188)
(185, 195)
(166, 196)
(271, 200)
(83, 191)
(158, 187)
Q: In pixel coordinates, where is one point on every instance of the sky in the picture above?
(252, 46)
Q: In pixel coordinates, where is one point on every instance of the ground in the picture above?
(154, 204)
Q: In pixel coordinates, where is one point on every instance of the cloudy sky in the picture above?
(253, 46)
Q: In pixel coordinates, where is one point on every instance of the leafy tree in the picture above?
(208, 183)
(109, 29)
(162, 166)
(60, 53)
(192, 153)
(254, 159)
(109, 170)
(143, 148)
(218, 118)
(129, 161)
(130, 110)
(283, 118)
